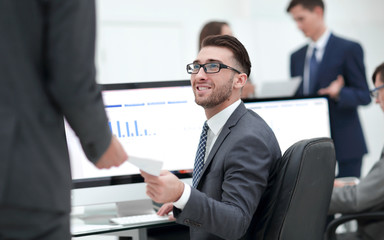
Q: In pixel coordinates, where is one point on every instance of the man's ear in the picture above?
(240, 80)
(319, 11)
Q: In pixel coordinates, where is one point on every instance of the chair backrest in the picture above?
(296, 201)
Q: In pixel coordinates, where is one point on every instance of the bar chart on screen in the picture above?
(127, 129)
(162, 124)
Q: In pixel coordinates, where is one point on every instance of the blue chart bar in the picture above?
(137, 129)
(128, 134)
(117, 128)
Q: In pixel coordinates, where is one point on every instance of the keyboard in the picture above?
(140, 219)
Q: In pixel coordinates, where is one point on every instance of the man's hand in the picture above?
(333, 90)
(348, 181)
(165, 210)
(164, 188)
(113, 156)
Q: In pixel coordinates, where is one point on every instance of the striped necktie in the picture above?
(199, 161)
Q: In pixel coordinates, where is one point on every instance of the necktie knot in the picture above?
(314, 52)
(200, 155)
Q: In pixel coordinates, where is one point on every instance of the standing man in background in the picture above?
(47, 71)
(333, 66)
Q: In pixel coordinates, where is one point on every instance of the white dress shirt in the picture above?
(216, 124)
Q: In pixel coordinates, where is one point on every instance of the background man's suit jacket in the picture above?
(233, 179)
(47, 71)
(341, 57)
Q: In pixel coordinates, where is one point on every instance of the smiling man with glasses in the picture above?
(236, 155)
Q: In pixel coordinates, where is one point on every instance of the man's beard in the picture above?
(218, 97)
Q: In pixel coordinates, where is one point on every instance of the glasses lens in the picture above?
(374, 93)
(212, 67)
(192, 68)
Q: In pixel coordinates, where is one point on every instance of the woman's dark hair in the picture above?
(211, 28)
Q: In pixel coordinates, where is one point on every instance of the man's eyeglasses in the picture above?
(194, 68)
(374, 92)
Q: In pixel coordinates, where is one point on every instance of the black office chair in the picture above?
(296, 201)
(330, 233)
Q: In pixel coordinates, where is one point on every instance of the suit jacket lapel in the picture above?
(232, 121)
(299, 68)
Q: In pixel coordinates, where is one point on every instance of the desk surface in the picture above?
(95, 220)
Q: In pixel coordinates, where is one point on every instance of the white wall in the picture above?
(150, 40)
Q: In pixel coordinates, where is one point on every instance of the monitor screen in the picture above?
(294, 119)
(161, 121)
(155, 120)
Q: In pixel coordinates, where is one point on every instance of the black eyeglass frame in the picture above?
(221, 66)
(374, 92)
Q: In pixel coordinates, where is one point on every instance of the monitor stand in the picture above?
(136, 207)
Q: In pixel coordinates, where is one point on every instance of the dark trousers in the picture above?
(30, 224)
(350, 167)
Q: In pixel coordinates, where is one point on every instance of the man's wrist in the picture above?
(180, 190)
(182, 201)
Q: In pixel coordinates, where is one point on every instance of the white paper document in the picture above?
(150, 166)
(283, 88)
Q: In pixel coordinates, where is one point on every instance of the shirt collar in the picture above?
(216, 123)
(322, 41)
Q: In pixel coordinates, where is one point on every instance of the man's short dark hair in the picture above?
(211, 28)
(235, 46)
(307, 4)
(379, 69)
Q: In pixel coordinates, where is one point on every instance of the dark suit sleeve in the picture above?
(355, 92)
(71, 76)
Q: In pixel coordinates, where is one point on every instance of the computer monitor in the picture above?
(155, 120)
(161, 121)
(294, 119)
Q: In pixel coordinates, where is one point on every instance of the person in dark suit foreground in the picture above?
(47, 72)
(368, 194)
(333, 66)
(240, 150)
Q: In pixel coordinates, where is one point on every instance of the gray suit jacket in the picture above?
(367, 196)
(233, 179)
(47, 72)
